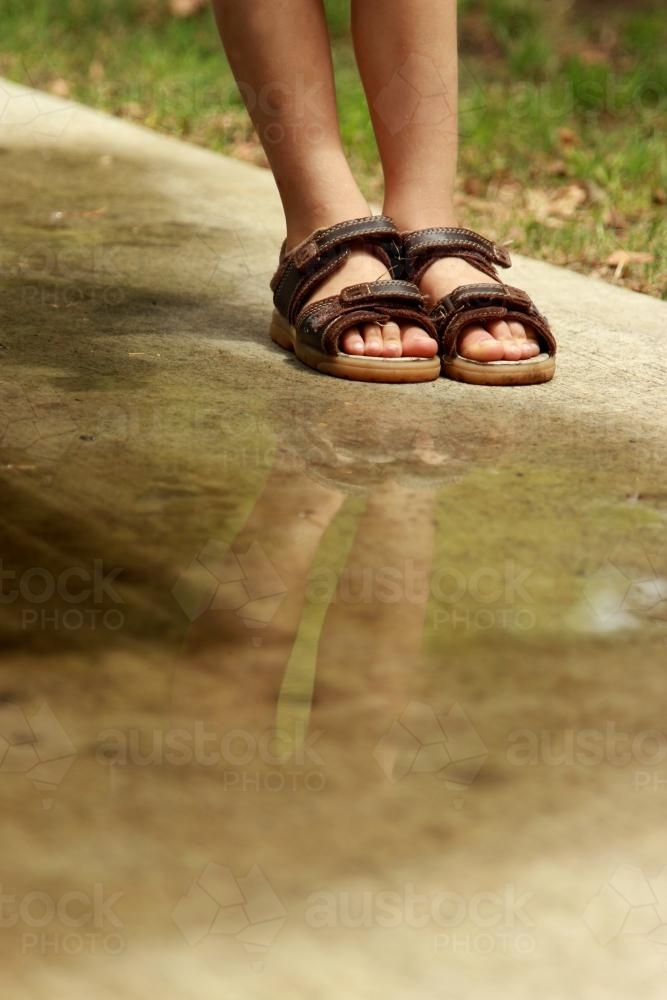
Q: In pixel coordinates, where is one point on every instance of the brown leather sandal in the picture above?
(314, 331)
(479, 303)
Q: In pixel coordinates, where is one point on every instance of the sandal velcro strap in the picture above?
(472, 305)
(345, 232)
(482, 296)
(308, 265)
(423, 248)
(322, 324)
(381, 291)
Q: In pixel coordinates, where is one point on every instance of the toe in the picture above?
(526, 339)
(352, 343)
(502, 332)
(391, 335)
(478, 344)
(374, 344)
(418, 344)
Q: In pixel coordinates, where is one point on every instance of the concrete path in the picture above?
(310, 689)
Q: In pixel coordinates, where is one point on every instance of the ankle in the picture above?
(411, 217)
(320, 196)
(302, 224)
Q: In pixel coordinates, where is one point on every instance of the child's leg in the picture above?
(404, 47)
(280, 54)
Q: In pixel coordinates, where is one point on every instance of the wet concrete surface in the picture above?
(311, 688)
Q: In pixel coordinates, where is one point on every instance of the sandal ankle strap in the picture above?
(423, 248)
(304, 268)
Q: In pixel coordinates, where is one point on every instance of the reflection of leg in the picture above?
(220, 664)
(370, 645)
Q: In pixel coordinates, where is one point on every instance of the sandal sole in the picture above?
(535, 371)
(388, 370)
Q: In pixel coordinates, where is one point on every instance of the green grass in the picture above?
(564, 110)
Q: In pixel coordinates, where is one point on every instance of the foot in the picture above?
(494, 341)
(391, 341)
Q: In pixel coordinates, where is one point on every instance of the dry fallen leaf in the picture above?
(96, 71)
(593, 56)
(186, 8)
(620, 259)
(629, 257)
(59, 87)
(473, 186)
(566, 201)
(538, 203)
(557, 168)
(567, 137)
(615, 220)
(551, 207)
(132, 109)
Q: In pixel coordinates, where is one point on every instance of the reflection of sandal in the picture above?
(479, 304)
(314, 331)
(347, 449)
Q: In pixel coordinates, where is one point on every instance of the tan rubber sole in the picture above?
(390, 370)
(532, 372)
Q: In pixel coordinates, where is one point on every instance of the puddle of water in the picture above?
(398, 583)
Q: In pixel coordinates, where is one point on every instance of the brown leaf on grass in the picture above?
(566, 202)
(620, 259)
(614, 220)
(96, 71)
(538, 203)
(568, 138)
(552, 207)
(626, 257)
(132, 109)
(474, 186)
(186, 8)
(659, 197)
(59, 87)
(593, 56)
(557, 168)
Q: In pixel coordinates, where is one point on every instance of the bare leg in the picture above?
(408, 59)
(280, 54)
